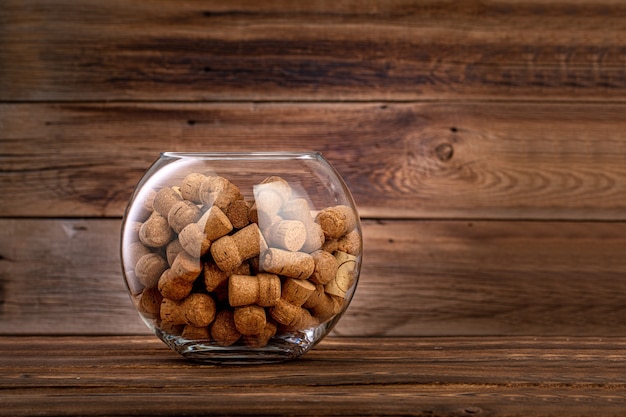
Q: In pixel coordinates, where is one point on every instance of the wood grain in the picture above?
(280, 50)
(408, 160)
(342, 376)
(419, 278)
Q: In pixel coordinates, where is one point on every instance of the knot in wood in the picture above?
(444, 152)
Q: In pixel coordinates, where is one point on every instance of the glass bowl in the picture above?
(241, 257)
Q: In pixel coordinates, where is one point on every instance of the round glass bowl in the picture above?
(241, 257)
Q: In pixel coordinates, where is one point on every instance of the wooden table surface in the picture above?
(484, 143)
(456, 376)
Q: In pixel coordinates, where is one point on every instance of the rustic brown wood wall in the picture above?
(484, 142)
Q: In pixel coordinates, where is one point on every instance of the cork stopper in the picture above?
(218, 191)
(262, 289)
(250, 319)
(199, 309)
(350, 243)
(271, 194)
(194, 241)
(171, 312)
(149, 269)
(150, 301)
(164, 199)
(230, 251)
(215, 224)
(296, 291)
(195, 333)
(216, 280)
(172, 250)
(298, 265)
(298, 209)
(174, 287)
(190, 187)
(223, 329)
(286, 234)
(181, 214)
(155, 232)
(336, 221)
(238, 213)
(186, 266)
(345, 277)
(292, 317)
(322, 305)
(263, 338)
(135, 251)
(326, 266)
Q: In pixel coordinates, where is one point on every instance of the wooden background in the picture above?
(484, 143)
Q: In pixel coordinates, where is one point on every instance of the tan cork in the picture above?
(218, 191)
(291, 317)
(345, 277)
(155, 232)
(290, 264)
(164, 199)
(181, 214)
(223, 329)
(149, 269)
(199, 309)
(216, 280)
(250, 319)
(350, 243)
(215, 224)
(172, 250)
(196, 333)
(194, 241)
(238, 213)
(270, 195)
(134, 252)
(296, 291)
(190, 187)
(150, 301)
(299, 209)
(326, 266)
(322, 305)
(262, 289)
(262, 339)
(171, 312)
(230, 251)
(336, 221)
(186, 266)
(174, 287)
(286, 234)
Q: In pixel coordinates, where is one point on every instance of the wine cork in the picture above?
(134, 252)
(164, 199)
(350, 243)
(194, 241)
(150, 301)
(296, 291)
(223, 329)
(174, 287)
(216, 280)
(250, 319)
(336, 221)
(218, 191)
(262, 339)
(286, 234)
(290, 264)
(149, 269)
(298, 209)
(238, 213)
(230, 251)
(215, 224)
(345, 277)
(262, 289)
(186, 266)
(172, 250)
(155, 232)
(195, 333)
(199, 309)
(292, 318)
(326, 266)
(322, 305)
(271, 194)
(181, 214)
(190, 187)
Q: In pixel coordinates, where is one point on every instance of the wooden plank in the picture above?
(280, 50)
(418, 278)
(409, 160)
(341, 376)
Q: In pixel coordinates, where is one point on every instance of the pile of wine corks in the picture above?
(211, 265)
